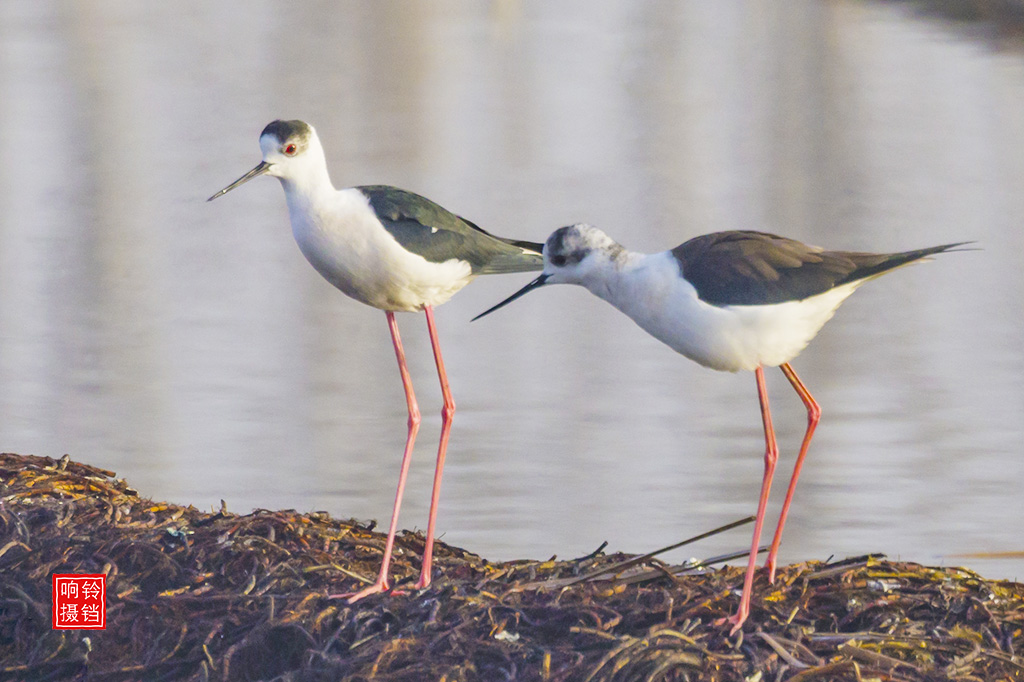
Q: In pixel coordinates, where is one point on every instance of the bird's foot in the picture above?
(770, 565)
(375, 588)
(736, 621)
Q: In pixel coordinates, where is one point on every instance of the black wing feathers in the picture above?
(435, 233)
(756, 268)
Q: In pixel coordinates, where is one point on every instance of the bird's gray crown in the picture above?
(570, 245)
(295, 131)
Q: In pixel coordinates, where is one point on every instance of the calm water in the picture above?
(191, 348)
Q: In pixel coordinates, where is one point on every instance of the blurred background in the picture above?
(191, 348)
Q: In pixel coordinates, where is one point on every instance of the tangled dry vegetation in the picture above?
(200, 596)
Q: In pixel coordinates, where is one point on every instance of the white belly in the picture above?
(728, 338)
(346, 244)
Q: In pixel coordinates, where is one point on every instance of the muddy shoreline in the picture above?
(193, 595)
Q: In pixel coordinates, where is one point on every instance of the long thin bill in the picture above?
(262, 168)
(535, 284)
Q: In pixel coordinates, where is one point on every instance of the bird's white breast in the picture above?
(341, 237)
(651, 291)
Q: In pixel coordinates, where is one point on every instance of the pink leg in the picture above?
(381, 583)
(771, 455)
(447, 413)
(813, 416)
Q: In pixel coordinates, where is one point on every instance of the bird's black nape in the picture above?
(283, 130)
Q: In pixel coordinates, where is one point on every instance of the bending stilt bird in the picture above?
(730, 301)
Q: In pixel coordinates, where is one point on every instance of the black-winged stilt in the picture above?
(730, 301)
(390, 249)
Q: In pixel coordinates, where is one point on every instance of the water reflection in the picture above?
(191, 348)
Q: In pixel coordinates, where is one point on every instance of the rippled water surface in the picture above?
(191, 348)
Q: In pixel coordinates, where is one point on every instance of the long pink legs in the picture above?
(771, 456)
(813, 416)
(381, 583)
(447, 413)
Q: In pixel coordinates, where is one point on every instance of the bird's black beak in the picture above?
(535, 284)
(262, 168)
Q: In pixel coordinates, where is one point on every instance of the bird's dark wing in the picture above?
(755, 268)
(431, 231)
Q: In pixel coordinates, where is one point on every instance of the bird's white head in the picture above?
(576, 254)
(291, 152)
(289, 146)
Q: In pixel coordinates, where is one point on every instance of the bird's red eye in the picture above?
(290, 150)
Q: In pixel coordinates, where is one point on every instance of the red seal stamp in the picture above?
(79, 601)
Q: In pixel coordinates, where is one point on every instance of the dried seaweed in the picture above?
(220, 596)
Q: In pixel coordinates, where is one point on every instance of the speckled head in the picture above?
(571, 255)
(572, 251)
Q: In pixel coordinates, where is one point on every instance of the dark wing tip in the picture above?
(533, 247)
(955, 247)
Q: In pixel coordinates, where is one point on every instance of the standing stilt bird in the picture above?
(730, 301)
(390, 249)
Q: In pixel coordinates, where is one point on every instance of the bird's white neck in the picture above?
(308, 185)
(612, 278)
